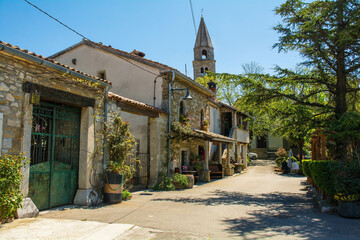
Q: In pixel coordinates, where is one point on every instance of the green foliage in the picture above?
(121, 147)
(323, 173)
(348, 178)
(181, 131)
(198, 166)
(165, 184)
(126, 195)
(306, 168)
(347, 130)
(184, 118)
(10, 181)
(279, 160)
(180, 181)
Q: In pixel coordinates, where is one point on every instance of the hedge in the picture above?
(323, 173)
(305, 167)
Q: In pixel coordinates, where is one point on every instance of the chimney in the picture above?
(138, 53)
(212, 86)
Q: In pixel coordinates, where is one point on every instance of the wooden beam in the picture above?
(55, 95)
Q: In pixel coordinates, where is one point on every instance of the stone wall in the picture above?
(197, 65)
(17, 111)
(193, 110)
(192, 107)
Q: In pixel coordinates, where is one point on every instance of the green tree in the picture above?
(326, 34)
(228, 88)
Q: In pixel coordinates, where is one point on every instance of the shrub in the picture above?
(126, 195)
(180, 181)
(10, 180)
(279, 160)
(305, 167)
(165, 184)
(323, 173)
(348, 179)
(122, 148)
(281, 152)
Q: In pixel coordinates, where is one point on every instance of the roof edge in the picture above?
(200, 87)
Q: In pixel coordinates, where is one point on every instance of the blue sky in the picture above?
(241, 30)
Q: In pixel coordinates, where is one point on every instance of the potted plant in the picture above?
(121, 165)
(184, 119)
(205, 125)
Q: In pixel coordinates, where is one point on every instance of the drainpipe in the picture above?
(169, 122)
(155, 88)
(106, 102)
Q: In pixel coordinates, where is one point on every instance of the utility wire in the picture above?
(193, 18)
(85, 37)
(57, 20)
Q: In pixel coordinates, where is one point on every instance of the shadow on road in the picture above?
(273, 214)
(220, 197)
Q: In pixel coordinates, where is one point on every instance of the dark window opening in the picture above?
(261, 142)
(181, 110)
(102, 74)
(202, 71)
(204, 54)
(184, 160)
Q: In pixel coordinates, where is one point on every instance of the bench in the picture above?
(215, 171)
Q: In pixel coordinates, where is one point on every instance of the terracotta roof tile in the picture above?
(135, 103)
(52, 61)
(214, 135)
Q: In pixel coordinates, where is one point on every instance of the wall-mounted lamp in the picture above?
(35, 97)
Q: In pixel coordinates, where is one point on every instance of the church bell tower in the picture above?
(203, 52)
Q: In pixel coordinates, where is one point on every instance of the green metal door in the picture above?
(54, 155)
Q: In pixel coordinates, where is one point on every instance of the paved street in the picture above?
(254, 205)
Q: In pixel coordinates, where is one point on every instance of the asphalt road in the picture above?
(257, 204)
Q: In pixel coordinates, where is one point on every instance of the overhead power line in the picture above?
(193, 18)
(57, 20)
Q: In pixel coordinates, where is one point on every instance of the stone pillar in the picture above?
(87, 147)
(205, 174)
(245, 150)
(228, 171)
(28, 208)
(220, 152)
(26, 143)
(154, 151)
(228, 155)
(207, 153)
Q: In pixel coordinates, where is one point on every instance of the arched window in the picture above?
(206, 69)
(202, 71)
(181, 110)
(202, 115)
(204, 54)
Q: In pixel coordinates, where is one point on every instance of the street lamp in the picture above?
(187, 97)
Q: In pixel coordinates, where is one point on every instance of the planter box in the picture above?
(349, 209)
(229, 171)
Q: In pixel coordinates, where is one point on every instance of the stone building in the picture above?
(130, 110)
(133, 76)
(204, 59)
(53, 114)
(266, 146)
